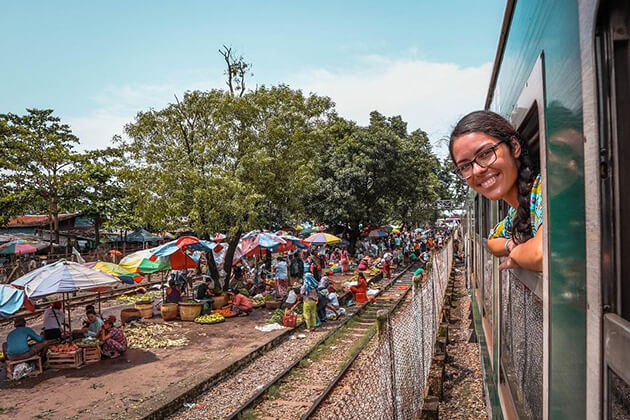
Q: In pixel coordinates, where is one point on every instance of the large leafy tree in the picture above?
(99, 188)
(367, 175)
(37, 169)
(220, 162)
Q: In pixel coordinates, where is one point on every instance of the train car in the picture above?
(556, 344)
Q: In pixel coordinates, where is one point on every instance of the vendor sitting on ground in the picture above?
(94, 324)
(360, 290)
(363, 265)
(241, 305)
(173, 293)
(17, 347)
(323, 303)
(205, 295)
(114, 341)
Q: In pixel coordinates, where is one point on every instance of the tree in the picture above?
(218, 162)
(370, 175)
(38, 163)
(100, 192)
(236, 72)
(451, 186)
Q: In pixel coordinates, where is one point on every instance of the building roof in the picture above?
(31, 220)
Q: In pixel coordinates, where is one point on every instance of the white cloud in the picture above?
(117, 106)
(428, 95)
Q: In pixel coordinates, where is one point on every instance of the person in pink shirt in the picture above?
(241, 305)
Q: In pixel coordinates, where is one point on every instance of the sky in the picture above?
(99, 63)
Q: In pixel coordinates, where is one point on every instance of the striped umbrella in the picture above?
(146, 262)
(19, 247)
(64, 277)
(126, 276)
(322, 239)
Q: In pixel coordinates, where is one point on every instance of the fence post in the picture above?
(392, 367)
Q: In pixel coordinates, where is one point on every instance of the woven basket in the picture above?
(146, 310)
(189, 311)
(169, 311)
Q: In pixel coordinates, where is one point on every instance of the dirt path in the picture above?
(463, 387)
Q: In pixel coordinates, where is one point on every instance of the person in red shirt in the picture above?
(241, 305)
(360, 290)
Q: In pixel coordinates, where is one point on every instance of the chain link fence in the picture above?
(389, 378)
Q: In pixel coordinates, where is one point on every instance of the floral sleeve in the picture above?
(503, 229)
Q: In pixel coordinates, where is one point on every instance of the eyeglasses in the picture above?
(483, 159)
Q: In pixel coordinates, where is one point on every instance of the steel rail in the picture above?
(258, 395)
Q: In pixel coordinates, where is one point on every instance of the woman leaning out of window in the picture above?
(493, 160)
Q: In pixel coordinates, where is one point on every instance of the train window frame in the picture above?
(529, 107)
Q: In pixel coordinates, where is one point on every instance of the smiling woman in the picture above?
(493, 160)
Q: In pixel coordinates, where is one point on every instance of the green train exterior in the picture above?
(556, 344)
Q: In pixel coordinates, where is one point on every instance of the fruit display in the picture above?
(64, 348)
(276, 318)
(225, 312)
(258, 301)
(210, 319)
(147, 336)
(149, 296)
(87, 342)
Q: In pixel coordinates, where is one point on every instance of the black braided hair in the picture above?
(495, 126)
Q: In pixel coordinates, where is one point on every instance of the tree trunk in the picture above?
(212, 267)
(354, 235)
(229, 257)
(97, 230)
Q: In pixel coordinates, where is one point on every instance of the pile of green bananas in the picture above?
(209, 319)
(276, 318)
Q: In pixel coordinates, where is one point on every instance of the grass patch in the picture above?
(356, 347)
(273, 393)
(248, 415)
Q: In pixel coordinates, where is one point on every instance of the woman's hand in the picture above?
(508, 264)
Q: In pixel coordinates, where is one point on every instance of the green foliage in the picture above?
(214, 162)
(37, 167)
(451, 186)
(369, 175)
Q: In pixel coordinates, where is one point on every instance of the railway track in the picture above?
(298, 390)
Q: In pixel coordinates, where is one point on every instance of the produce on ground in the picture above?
(258, 301)
(154, 294)
(64, 348)
(210, 318)
(276, 318)
(149, 335)
(87, 342)
(226, 312)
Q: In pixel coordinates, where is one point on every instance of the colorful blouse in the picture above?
(503, 229)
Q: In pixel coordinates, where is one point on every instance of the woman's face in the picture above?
(91, 317)
(495, 181)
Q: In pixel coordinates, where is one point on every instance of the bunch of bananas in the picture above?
(209, 319)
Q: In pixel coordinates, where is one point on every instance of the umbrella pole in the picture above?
(99, 305)
(66, 305)
(162, 286)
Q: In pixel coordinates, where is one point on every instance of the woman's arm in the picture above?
(528, 255)
(497, 246)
